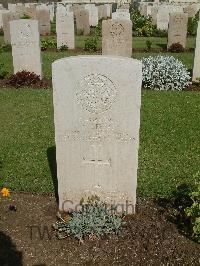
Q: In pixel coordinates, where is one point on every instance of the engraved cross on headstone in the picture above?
(94, 158)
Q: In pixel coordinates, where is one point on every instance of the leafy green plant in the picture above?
(48, 43)
(149, 44)
(5, 47)
(193, 212)
(63, 48)
(97, 31)
(142, 25)
(23, 78)
(192, 25)
(94, 219)
(3, 71)
(91, 44)
(53, 26)
(176, 48)
(164, 72)
(1, 32)
(25, 17)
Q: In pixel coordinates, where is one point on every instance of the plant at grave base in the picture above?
(149, 44)
(63, 48)
(3, 71)
(79, 32)
(25, 17)
(1, 32)
(176, 48)
(91, 44)
(164, 73)
(23, 78)
(48, 43)
(93, 220)
(6, 47)
(193, 213)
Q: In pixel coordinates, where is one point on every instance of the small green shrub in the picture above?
(1, 32)
(23, 78)
(142, 25)
(176, 48)
(98, 30)
(6, 47)
(193, 25)
(25, 17)
(3, 71)
(164, 72)
(48, 43)
(63, 48)
(149, 44)
(94, 219)
(91, 44)
(193, 213)
(53, 27)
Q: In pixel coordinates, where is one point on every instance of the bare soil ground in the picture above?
(148, 238)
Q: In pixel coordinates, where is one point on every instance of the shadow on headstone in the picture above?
(9, 255)
(51, 155)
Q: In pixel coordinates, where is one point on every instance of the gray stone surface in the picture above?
(196, 67)
(97, 119)
(6, 18)
(25, 42)
(82, 21)
(43, 16)
(117, 37)
(177, 32)
(65, 29)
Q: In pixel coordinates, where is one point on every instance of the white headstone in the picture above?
(97, 119)
(65, 29)
(196, 67)
(93, 14)
(1, 16)
(177, 32)
(117, 37)
(25, 42)
(121, 15)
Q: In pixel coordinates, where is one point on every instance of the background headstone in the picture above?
(6, 18)
(43, 16)
(177, 32)
(117, 37)
(93, 14)
(196, 67)
(97, 119)
(25, 42)
(82, 21)
(65, 29)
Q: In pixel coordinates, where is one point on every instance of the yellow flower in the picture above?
(5, 192)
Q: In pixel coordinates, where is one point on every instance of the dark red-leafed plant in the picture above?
(23, 78)
(176, 48)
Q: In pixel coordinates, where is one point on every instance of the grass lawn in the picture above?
(169, 141)
(138, 42)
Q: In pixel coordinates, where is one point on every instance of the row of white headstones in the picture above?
(116, 40)
(96, 114)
